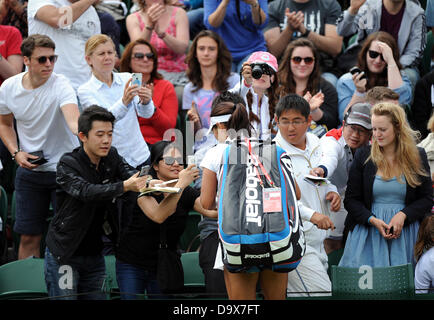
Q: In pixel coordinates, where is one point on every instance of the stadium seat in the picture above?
(367, 283)
(23, 279)
(110, 286)
(333, 259)
(194, 280)
(189, 240)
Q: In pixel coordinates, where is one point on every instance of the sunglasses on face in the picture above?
(171, 160)
(43, 59)
(374, 54)
(140, 56)
(307, 60)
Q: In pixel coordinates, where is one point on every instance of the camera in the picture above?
(258, 69)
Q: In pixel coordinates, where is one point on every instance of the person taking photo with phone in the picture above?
(114, 91)
(378, 61)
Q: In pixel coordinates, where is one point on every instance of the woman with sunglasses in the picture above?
(140, 56)
(260, 93)
(166, 27)
(137, 254)
(378, 63)
(114, 92)
(299, 73)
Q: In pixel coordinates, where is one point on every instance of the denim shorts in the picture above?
(81, 279)
(34, 190)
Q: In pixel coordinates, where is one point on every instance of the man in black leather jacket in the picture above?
(89, 179)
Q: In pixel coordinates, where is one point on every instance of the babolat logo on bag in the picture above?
(259, 221)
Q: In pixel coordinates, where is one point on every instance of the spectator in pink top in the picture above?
(166, 28)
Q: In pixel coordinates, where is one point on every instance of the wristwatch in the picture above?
(1, 57)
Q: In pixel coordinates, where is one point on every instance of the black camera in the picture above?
(258, 69)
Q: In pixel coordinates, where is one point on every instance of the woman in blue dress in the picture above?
(388, 193)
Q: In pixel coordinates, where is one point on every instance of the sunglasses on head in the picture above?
(139, 55)
(374, 54)
(171, 160)
(307, 60)
(43, 59)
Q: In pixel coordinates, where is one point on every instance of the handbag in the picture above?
(170, 274)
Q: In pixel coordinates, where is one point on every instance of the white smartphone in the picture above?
(190, 160)
(137, 79)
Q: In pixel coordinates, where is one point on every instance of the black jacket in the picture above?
(422, 105)
(81, 189)
(358, 196)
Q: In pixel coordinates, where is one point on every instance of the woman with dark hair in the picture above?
(230, 119)
(260, 93)
(140, 56)
(209, 73)
(299, 73)
(223, 107)
(378, 63)
(166, 27)
(137, 254)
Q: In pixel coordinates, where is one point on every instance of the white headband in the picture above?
(218, 119)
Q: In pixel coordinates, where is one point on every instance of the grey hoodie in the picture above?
(411, 36)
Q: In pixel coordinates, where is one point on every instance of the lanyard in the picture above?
(267, 176)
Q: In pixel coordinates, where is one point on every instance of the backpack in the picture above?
(254, 231)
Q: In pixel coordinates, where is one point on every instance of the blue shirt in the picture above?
(241, 35)
(346, 88)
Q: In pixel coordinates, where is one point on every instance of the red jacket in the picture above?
(164, 117)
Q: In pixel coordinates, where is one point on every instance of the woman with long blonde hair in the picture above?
(388, 193)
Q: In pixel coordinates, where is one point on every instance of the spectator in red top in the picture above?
(140, 56)
(11, 61)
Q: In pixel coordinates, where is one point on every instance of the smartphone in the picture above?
(137, 79)
(144, 170)
(190, 160)
(356, 70)
(391, 230)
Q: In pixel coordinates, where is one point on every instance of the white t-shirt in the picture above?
(424, 272)
(41, 125)
(70, 40)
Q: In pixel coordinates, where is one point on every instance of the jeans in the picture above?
(195, 19)
(81, 279)
(134, 280)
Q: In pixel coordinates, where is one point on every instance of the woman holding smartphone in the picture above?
(114, 92)
(379, 64)
(137, 254)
